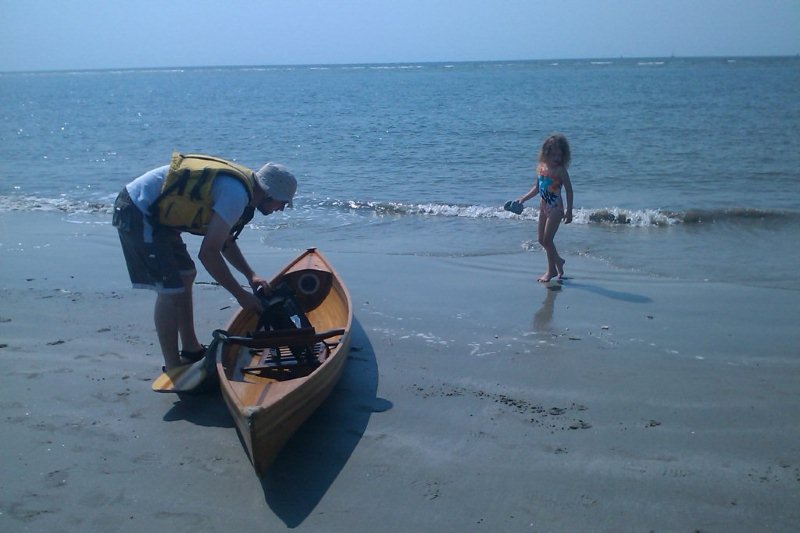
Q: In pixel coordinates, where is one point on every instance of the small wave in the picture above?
(658, 217)
(698, 216)
(396, 67)
(645, 217)
(603, 216)
(631, 217)
(426, 209)
(63, 205)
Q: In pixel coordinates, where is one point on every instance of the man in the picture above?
(206, 196)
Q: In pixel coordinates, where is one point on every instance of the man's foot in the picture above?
(195, 355)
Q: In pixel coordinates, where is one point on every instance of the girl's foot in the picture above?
(560, 267)
(546, 277)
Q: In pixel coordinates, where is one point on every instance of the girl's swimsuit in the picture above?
(550, 200)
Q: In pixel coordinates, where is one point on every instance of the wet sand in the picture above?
(474, 399)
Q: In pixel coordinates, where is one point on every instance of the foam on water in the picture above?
(309, 208)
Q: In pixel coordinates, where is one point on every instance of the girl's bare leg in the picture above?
(540, 235)
(560, 266)
(547, 233)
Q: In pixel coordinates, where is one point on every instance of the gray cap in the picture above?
(277, 182)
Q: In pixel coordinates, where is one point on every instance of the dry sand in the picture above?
(474, 399)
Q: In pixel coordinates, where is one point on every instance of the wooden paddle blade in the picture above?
(184, 378)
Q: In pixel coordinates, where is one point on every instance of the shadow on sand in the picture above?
(206, 409)
(312, 459)
(615, 295)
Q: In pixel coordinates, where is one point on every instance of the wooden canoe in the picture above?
(269, 407)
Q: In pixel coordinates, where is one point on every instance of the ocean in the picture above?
(682, 168)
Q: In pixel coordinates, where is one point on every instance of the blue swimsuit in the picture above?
(550, 200)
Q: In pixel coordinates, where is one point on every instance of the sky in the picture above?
(101, 34)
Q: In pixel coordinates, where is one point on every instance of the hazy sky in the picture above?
(87, 34)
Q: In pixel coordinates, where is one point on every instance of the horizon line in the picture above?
(393, 63)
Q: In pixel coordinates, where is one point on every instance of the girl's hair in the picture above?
(555, 149)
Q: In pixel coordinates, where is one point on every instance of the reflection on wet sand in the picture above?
(543, 317)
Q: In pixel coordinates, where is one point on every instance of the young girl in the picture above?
(551, 172)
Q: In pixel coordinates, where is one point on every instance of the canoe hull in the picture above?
(268, 412)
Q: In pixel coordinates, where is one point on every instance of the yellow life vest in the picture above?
(185, 201)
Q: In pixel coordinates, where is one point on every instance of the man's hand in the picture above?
(250, 302)
(257, 282)
(211, 255)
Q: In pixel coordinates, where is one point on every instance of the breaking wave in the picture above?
(63, 205)
(606, 215)
(603, 216)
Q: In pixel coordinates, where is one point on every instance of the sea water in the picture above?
(684, 168)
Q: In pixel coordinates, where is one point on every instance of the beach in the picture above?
(474, 399)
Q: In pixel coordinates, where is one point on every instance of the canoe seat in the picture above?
(280, 363)
(287, 354)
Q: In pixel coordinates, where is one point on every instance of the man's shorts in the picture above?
(156, 256)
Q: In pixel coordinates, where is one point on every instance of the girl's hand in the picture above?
(568, 217)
